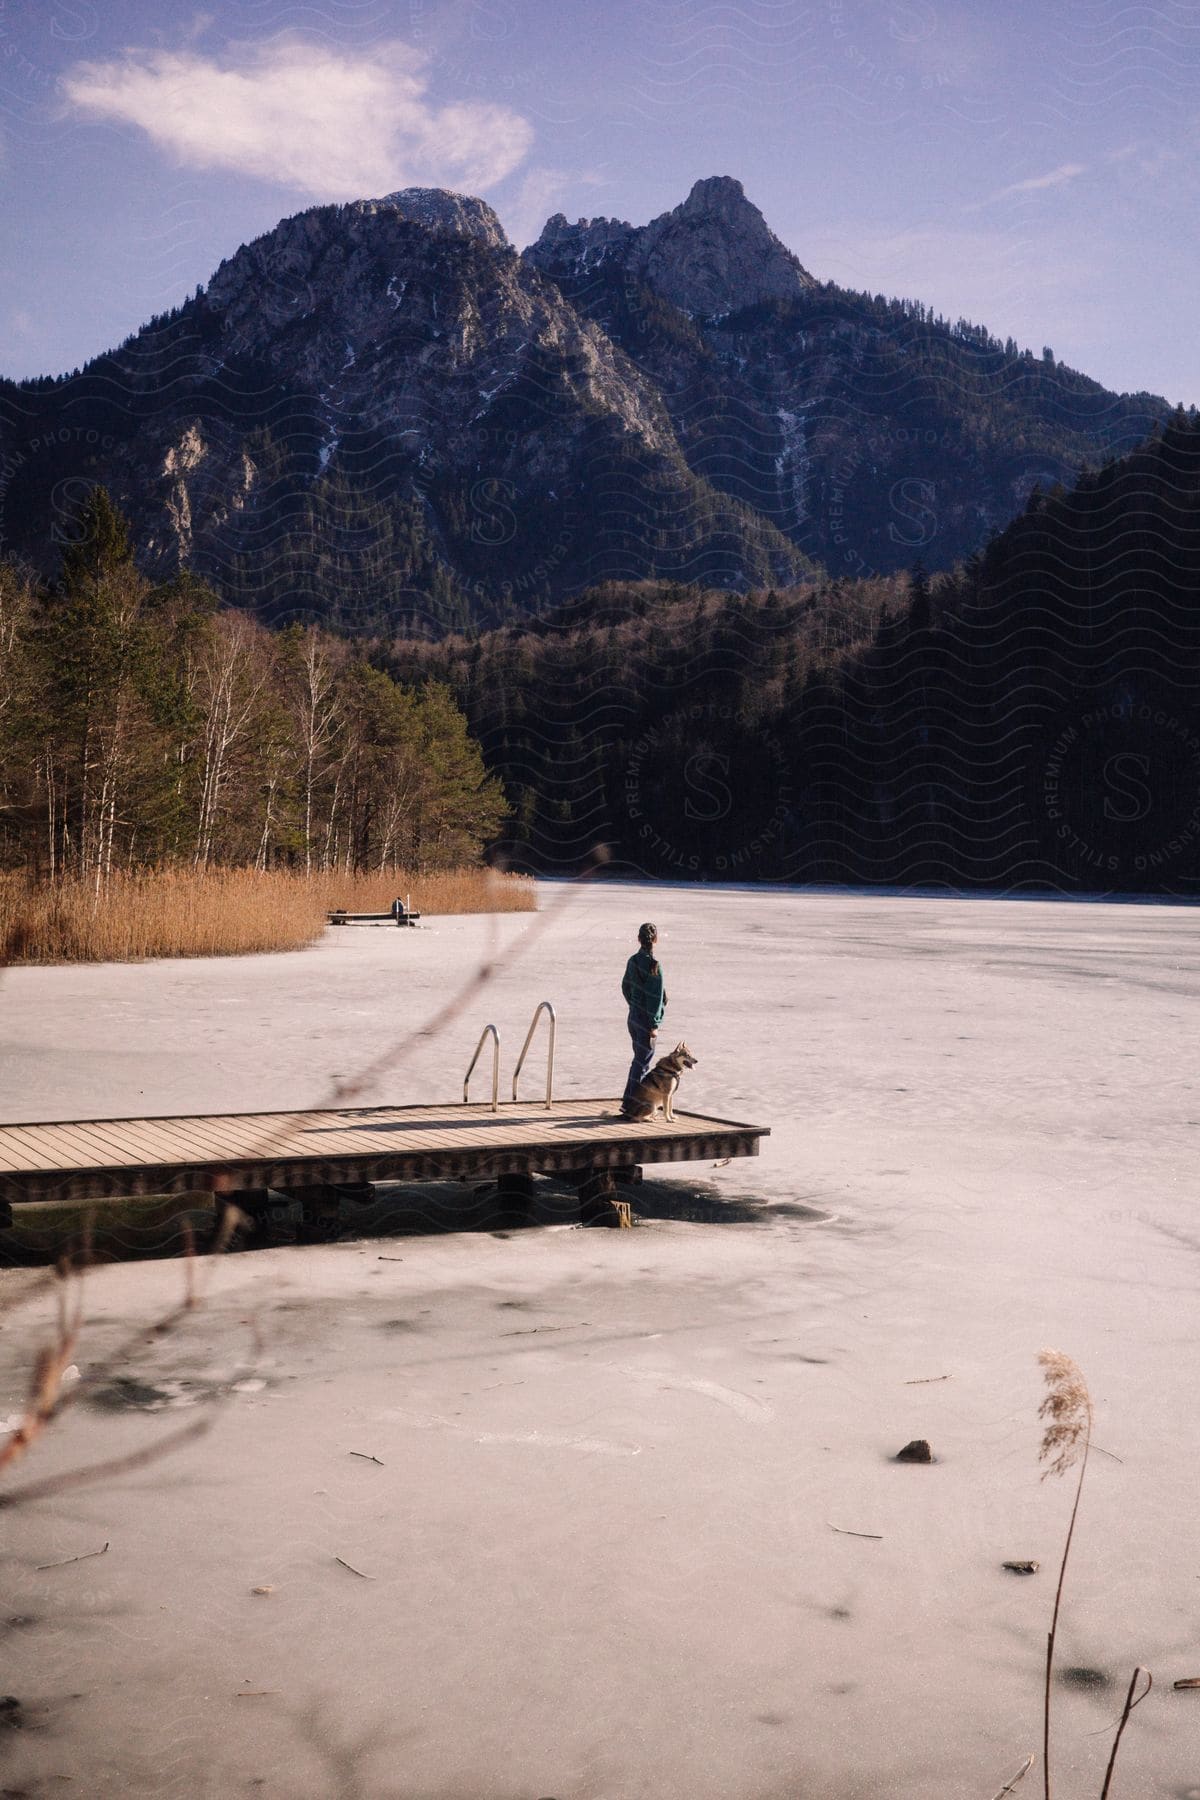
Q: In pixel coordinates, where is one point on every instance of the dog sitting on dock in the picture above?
(658, 1088)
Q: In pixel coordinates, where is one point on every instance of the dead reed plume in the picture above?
(1066, 1442)
(1067, 1410)
(222, 912)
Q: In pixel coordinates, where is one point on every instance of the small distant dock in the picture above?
(312, 1156)
(400, 912)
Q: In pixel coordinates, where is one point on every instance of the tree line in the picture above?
(141, 725)
(1029, 720)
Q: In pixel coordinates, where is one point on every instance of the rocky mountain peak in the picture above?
(714, 253)
(335, 261)
(721, 194)
(577, 247)
(439, 209)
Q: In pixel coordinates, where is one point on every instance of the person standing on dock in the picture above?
(646, 997)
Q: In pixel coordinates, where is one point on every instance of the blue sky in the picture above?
(1035, 168)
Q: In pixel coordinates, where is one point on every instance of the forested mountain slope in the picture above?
(1030, 720)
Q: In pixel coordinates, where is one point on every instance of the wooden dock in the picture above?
(399, 913)
(248, 1156)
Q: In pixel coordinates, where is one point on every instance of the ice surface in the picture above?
(599, 1532)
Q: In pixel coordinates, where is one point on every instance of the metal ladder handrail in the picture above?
(495, 1065)
(543, 1006)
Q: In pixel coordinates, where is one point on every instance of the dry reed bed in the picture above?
(222, 912)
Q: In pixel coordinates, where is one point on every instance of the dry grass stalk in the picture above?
(64, 1562)
(1130, 1703)
(1067, 1410)
(1010, 1786)
(222, 912)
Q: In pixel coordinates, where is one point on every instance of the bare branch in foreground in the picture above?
(50, 1366)
(116, 1465)
(47, 1399)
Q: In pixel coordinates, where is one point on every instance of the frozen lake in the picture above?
(599, 1533)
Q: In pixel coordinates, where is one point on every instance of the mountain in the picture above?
(869, 431)
(380, 415)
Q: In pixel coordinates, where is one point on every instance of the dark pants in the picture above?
(643, 1034)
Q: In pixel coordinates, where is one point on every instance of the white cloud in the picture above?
(337, 125)
(1035, 183)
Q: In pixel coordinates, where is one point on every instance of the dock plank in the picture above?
(22, 1149)
(77, 1146)
(108, 1156)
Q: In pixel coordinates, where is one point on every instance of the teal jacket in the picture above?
(645, 993)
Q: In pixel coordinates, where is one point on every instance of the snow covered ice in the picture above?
(599, 1533)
